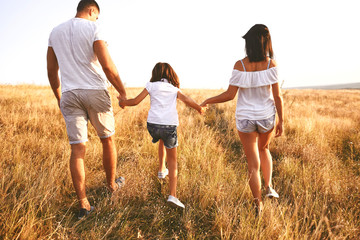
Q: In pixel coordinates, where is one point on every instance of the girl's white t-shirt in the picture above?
(163, 98)
(255, 100)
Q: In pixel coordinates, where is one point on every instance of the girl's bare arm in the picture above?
(134, 101)
(191, 103)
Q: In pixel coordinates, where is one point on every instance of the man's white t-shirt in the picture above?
(163, 98)
(72, 43)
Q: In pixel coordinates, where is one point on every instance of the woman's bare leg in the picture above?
(265, 157)
(249, 142)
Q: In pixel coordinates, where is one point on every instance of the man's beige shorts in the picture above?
(79, 106)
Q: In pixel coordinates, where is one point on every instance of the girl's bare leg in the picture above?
(172, 165)
(162, 156)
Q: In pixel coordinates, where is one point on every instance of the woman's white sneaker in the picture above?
(162, 175)
(173, 201)
(271, 193)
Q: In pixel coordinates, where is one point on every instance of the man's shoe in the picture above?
(84, 212)
(120, 181)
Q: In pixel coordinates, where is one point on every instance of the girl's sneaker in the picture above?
(173, 201)
(271, 193)
(162, 175)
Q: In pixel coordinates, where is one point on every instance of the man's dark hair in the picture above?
(83, 4)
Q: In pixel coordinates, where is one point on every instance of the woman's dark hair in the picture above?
(164, 70)
(258, 44)
(83, 4)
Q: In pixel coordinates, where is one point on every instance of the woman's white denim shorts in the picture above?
(260, 126)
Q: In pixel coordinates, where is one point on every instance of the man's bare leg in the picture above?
(109, 162)
(77, 170)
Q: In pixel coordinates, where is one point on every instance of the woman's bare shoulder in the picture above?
(238, 66)
(272, 63)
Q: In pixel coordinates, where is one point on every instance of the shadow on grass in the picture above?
(125, 217)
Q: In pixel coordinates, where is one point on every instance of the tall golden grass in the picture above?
(316, 172)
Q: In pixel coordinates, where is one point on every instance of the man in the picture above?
(78, 49)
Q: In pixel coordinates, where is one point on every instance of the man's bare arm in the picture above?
(109, 67)
(53, 73)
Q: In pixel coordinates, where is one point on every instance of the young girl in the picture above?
(162, 120)
(255, 79)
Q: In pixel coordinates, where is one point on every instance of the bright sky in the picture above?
(315, 42)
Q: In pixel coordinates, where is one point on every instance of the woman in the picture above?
(255, 78)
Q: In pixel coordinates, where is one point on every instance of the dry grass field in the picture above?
(316, 172)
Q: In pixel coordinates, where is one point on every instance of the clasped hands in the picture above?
(121, 99)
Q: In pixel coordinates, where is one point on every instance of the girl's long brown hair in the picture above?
(164, 70)
(258, 43)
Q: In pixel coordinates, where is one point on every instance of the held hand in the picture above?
(121, 98)
(121, 104)
(203, 110)
(279, 129)
(121, 101)
(203, 104)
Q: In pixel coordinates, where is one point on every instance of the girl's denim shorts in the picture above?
(167, 133)
(260, 126)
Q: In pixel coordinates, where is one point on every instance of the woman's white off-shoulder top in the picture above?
(255, 99)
